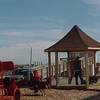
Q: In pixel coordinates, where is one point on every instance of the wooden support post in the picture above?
(56, 67)
(86, 69)
(63, 69)
(47, 71)
(94, 61)
(59, 70)
(49, 63)
(52, 70)
(68, 54)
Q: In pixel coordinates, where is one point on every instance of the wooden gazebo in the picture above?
(75, 41)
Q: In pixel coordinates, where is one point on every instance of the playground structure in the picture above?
(76, 43)
(9, 90)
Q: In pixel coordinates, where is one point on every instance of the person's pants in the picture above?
(36, 86)
(78, 73)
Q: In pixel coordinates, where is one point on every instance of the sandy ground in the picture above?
(53, 94)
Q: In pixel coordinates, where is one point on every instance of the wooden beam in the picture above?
(86, 69)
(56, 67)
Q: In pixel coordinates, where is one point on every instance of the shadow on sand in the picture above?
(95, 97)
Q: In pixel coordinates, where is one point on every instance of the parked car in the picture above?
(18, 78)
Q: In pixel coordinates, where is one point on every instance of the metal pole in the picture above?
(30, 62)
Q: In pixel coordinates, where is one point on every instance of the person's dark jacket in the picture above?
(77, 65)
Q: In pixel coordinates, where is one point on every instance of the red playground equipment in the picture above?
(8, 87)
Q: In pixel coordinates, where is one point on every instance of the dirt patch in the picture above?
(54, 94)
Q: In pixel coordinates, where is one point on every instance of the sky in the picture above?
(41, 23)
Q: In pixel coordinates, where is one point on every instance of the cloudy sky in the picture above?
(41, 23)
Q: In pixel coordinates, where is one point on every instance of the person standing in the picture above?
(78, 70)
(36, 79)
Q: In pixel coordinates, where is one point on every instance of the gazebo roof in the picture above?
(75, 40)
